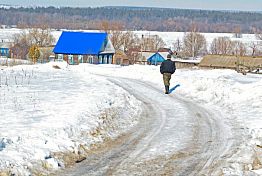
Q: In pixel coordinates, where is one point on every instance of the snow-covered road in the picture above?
(52, 118)
(175, 136)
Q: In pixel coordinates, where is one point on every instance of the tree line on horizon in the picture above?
(151, 19)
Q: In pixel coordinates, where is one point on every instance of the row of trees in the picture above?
(125, 40)
(128, 41)
(193, 44)
(153, 19)
(27, 43)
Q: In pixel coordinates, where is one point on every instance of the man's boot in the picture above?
(167, 89)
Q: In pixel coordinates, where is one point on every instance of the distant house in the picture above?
(161, 55)
(84, 47)
(120, 58)
(142, 56)
(5, 45)
(186, 63)
(155, 59)
(244, 63)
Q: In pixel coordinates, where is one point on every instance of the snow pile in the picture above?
(46, 111)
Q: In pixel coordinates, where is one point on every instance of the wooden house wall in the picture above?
(231, 62)
(185, 64)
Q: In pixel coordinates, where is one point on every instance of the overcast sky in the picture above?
(247, 5)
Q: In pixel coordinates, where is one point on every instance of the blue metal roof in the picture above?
(156, 58)
(80, 43)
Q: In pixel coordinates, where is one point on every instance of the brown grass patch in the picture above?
(56, 67)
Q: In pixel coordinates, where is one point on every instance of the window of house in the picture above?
(91, 59)
(100, 59)
(80, 58)
(70, 59)
(105, 60)
(110, 59)
(60, 57)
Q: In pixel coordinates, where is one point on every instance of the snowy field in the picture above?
(168, 37)
(45, 110)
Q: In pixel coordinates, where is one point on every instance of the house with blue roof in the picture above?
(156, 59)
(161, 55)
(5, 45)
(84, 47)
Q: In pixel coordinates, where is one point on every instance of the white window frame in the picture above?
(91, 59)
(110, 59)
(100, 59)
(105, 59)
(60, 57)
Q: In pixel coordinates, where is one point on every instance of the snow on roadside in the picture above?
(12, 62)
(236, 94)
(46, 109)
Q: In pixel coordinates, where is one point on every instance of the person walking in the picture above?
(167, 68)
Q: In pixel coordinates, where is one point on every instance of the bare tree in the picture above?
(237, 32)
(194, 44)
(257, 33)
(35, 36)
(133, 56)
(225, 45)
(259, 36)
(214, 48)
(253, 47)
(158, 42)
(105, 26)
(178, 45)
(21, 45)
(222, 46)
(238, 48)
(130, 40)
(121, 40)
(41, 36)
(115, 31)
(151, 42)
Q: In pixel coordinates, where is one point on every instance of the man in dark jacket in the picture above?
(167, 68)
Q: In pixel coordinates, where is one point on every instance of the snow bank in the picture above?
(12, 62)
(45, 111)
